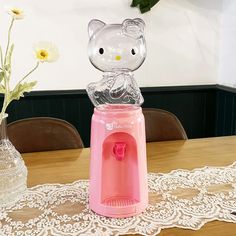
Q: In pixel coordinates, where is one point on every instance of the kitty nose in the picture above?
(118, 57)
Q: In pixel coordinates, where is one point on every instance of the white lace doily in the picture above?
(181, 198)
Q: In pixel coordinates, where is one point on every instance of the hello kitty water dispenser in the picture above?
(118, 170)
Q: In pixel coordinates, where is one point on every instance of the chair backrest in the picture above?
(43, 134)
(162, 125)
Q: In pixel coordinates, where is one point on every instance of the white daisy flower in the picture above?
(46, 52)
(16, 12)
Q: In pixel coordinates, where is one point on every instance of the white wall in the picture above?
(182, 38)
(227, 72)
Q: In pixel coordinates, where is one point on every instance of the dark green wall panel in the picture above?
(75, 109)
(195, 106)
(204, 111)
(226, 111)
(191, 107)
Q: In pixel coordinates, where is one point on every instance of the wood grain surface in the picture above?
(65, 166)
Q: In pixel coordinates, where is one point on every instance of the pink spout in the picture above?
(119, 150)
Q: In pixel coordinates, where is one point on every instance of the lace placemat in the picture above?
(181, 198)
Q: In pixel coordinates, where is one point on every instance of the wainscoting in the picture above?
(226, 111)
(205, 111)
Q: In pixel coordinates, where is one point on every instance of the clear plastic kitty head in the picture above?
(117, 50)
(117, 46)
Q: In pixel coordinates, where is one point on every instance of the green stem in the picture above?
(8, 40)
(6, 80)
(37, 65)
(5, 102)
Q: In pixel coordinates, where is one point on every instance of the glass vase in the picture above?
(13, 172)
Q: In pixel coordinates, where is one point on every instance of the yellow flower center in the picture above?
(16, 11)
(42, 54)
(118, 58)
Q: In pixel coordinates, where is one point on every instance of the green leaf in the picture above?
(2, 89)
(144, 9)
(8, 58)
(7, 67)
(144, 5)
(20, 89)
(153, 2)
(135, 3)
(1, 76)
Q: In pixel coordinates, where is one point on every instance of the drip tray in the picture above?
(119, 201)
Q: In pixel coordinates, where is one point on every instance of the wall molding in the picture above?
(226, 88)
(143, 90)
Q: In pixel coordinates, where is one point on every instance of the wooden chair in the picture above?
(43, 134)
(162, 125)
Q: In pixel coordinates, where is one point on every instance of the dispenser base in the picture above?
(119, 201)
(119, 207)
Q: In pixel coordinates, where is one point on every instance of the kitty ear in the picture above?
(94, 25)
(133, 27)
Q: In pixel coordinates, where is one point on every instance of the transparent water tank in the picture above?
(117, 50)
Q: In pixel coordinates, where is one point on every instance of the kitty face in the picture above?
(114, 47)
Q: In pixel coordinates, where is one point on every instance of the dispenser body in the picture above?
(118, 170)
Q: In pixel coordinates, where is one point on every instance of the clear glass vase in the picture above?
(13, 172)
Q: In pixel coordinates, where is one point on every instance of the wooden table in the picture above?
(66, 166)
